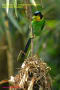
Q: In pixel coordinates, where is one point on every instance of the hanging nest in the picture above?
(33, 75)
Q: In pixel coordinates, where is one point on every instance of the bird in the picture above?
(38, 23)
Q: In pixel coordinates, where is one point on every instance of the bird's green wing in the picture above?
(38, 26)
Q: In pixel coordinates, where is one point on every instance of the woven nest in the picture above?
(33, 75)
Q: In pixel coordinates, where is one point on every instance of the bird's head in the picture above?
(37, 16)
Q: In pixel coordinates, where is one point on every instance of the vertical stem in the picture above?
(31, 41)
(29, 16)
(9, 50)
(42, 3)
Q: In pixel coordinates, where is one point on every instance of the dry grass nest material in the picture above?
(33, 75)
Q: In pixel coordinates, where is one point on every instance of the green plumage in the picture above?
(38, 26)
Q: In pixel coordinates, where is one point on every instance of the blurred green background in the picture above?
(14, 33)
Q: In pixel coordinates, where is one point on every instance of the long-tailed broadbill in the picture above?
(38, 23)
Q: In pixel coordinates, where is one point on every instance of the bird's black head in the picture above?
(38, 13)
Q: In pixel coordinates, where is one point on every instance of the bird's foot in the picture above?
(33, 36)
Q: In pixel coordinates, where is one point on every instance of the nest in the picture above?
(33, 75)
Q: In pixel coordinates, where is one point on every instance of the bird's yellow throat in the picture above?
(36, 18)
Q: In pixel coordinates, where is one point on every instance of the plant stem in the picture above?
(31, 41)
(10, 55)
(29, 16)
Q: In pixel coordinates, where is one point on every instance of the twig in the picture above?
(31, 41)
(29, 15)
(42, 3)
